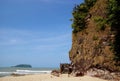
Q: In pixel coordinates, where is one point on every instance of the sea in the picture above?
(7, 71)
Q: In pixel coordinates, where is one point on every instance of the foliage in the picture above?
(114, 21)
(79, 14)
(90, 3)
(100, 22)
(114, 13)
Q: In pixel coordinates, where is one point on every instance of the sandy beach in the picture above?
(49, 77)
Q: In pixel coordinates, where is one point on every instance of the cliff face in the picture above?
(93, 46)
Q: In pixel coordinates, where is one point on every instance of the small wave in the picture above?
(6, 72)
(22, 72)
(2, 74)
(32, 71)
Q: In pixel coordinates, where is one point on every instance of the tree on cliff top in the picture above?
(79, 14)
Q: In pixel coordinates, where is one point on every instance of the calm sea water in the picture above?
(6, 71)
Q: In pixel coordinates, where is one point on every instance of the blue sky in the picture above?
(36, 32)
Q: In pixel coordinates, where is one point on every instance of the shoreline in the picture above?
(8, 71)
(49, 77)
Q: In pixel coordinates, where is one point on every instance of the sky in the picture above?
(35, 32)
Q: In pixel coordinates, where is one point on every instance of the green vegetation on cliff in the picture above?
(79, 14)
(114, 22)
(96, 35)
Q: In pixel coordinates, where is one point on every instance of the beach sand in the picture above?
(49, 77)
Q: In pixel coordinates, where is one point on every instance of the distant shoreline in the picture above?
(23, 66)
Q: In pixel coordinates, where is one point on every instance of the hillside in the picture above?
(23, 66)
(95, 36)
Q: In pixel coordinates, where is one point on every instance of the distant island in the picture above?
(23, 66)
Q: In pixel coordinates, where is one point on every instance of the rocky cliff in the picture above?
(94, 46)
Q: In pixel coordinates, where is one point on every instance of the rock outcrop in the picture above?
(92, 48)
